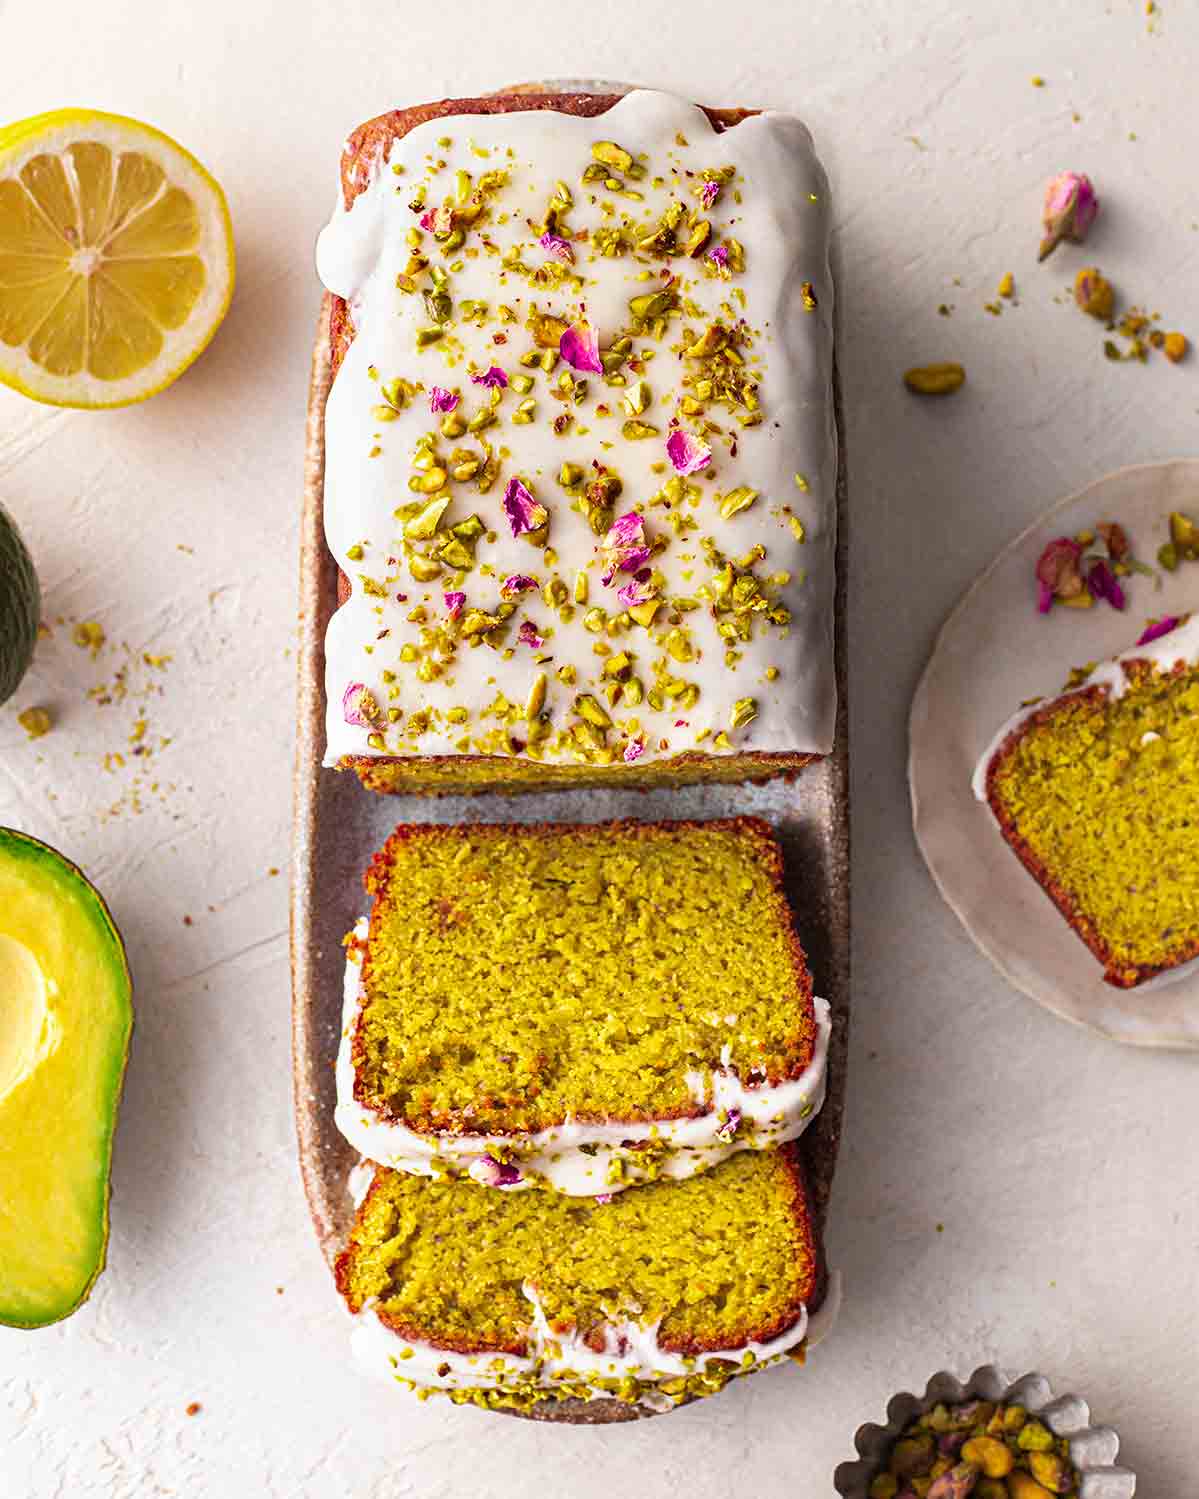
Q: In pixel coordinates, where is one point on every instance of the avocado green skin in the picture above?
(20, 607)
(17, 847)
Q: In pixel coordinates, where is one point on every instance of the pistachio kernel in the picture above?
(536, 699)
(429, 482)
(652, 304)
(737, 500)
(611, 155)
(935, 379)
(426, 520)
(590, 710)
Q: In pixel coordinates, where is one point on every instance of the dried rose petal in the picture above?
(557, 248)
(625, 548)
(359, 706)
(728, 1129)
(1104, 584)
(626, 530)
(719, 256)
(454, 603)
(1158, 628)
(709, 192)
(634, 749)
(493, 1173)
(605, 1197)
(1070, 208)
(639, 591)
(439, 220)
(527, 634)
(688, 454)
(441, 399)
(523, 511)
(580, 348)
(1044, 598)
(516, 583)
(494, 378)
(1058, 569)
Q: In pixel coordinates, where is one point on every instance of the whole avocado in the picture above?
(20, 607)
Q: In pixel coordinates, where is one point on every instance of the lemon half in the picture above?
(116, 258)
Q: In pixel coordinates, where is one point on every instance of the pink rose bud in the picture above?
(1070, 209)
(1059, 574)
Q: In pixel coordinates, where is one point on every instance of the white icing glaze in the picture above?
(777, 1113)
(1180, 645)
(358, 1183)
(632, 1351)
(777, 207)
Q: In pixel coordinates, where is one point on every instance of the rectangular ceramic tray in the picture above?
(339, 825)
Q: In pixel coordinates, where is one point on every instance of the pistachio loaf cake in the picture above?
(1096, 790)
(651, 1297)
(577, 1007)
(581, 456)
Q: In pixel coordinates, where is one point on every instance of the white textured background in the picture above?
(1061, 1170)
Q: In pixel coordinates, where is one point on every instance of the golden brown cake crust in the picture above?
(1120, 975)
(371, 142)
(764, 765)
(377, 878)
(810, 1295)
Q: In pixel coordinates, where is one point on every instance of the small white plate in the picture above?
(993, 652)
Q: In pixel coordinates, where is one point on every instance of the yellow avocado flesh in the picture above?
(65, 1020)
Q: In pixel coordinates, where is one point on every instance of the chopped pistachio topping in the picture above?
(679, 380)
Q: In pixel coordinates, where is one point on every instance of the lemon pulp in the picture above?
(96, 259)
(116, 258)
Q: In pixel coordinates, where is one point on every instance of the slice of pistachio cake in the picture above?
(1095, 791)
(578, 1007)
(651, 1297)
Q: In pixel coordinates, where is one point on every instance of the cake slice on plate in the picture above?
(577, 1007)
(653, 1296)
(1097, 793)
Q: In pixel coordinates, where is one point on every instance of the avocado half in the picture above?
(66, 1015)
(20, 607)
